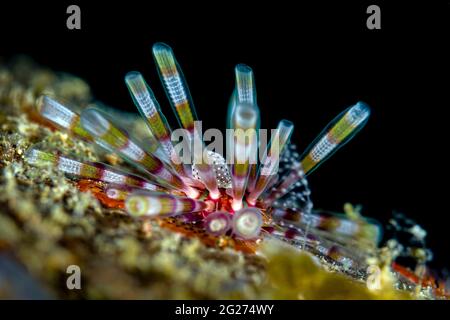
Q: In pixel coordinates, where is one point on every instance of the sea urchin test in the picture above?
(237, 200)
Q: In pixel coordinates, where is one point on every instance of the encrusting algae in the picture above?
(49, 221)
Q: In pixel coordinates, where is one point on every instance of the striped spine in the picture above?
(149, 108)
(100, 127)
(244, 120)
(95, 171)
(160, 204)
(270, 162)
(62, 116)
(335, 135)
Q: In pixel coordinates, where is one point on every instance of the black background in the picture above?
(310, 61)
